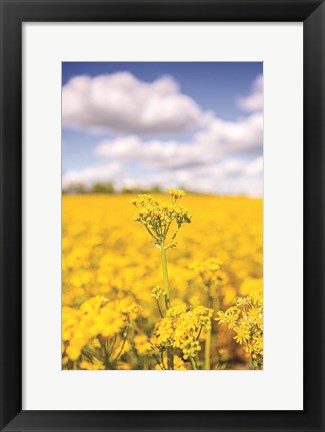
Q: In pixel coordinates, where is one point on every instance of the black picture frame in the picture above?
(13, 14)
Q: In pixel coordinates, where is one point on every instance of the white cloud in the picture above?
(231, 137)
(254, 101)
(91, 174)
(119, 102)
(219, 139)
(152, 154)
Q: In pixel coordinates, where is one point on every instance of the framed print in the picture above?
(184, 321)
(162, 187)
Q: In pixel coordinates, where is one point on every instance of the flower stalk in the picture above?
(163, 220)
(207, 350)
(165, 275)
(170, 350)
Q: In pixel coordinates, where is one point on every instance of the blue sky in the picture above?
(194, 124)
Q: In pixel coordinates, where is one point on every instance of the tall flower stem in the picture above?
(170, 351)
(207, 350)
(165, 275)
(207, 347)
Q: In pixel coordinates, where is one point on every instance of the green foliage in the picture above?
(75, 188)
(102, 188)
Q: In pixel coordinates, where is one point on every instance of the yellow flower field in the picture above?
(113, 313)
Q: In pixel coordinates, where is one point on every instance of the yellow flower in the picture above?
(231, 317)
(242, 335)
(241, 301)
(221, 317)
(157, 216)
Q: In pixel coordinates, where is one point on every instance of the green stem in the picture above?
(165, 275)
(173, 238)
(122, 347)
(199, 334)
(207, 347)
(207, 350)
(154, 237)
(170, 351)
(170, 358)
(161, 314)
(193, 363)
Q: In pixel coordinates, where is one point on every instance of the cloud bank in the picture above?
(221, 156)
(121, 103)
(219, 139)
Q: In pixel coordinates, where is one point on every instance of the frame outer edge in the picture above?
(10, 216)
(314, 214)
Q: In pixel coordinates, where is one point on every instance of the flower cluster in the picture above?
(142, 345)
(209, 272)
(181, 329)
(176, 194)
(157, 215)
(246, 320)
(96, 331)
(157, 292)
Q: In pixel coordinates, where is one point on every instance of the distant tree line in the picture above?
(106, 188)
